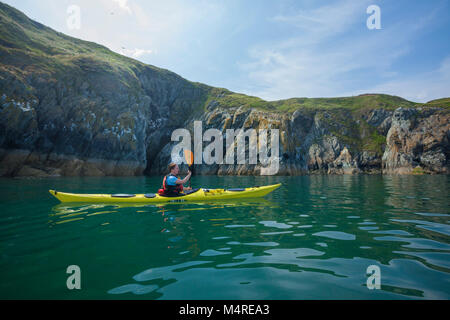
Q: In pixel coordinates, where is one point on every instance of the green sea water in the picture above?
(313, 238)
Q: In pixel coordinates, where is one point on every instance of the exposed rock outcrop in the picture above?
(336, 142)
(418, 140)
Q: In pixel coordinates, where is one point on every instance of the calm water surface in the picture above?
(313, 238)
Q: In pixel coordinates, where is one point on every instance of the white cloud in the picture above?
(123, 4)
(423, 87)
(135, 53)
(445, 67)
(329, 56)
(325, 21)
(308, 63)
(161, 33)
(168, 27)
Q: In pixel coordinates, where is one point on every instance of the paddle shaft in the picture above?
(189, 157)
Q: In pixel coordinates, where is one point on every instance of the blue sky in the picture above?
(274, 49)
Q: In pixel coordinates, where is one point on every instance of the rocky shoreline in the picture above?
(402, 141)
(25, 163)
(417, 142)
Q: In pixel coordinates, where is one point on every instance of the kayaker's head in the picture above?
(173, 168)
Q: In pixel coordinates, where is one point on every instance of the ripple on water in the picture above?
(274, 233)
(275, 224)
(417, 243)
(367, 223)
(239, 226)
(166, 272)
(134, 288)
(438, 259)
(338, 235)
(211, 253)
(274, 256)
(261, 244)
(368, 228)
(430, 214)
(427, 225)
(394, 232)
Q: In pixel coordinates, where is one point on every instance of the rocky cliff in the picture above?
(70, 107)
(338, 140)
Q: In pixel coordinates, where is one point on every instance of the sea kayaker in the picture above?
(172, 185)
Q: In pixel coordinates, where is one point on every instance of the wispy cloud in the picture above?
(135, 53)
(123, 4)
(157, 32)
(325, 21)
(422, 87)
(332, 54)
(445, 68)
(306, 64)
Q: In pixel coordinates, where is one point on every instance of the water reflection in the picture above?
(314, 239)
(68, 212)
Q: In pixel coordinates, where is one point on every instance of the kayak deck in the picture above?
(196, 195)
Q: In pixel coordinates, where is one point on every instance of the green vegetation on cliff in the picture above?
(441, 103)
(38, 43)
(31, 46)
(228, 99)
(28, 47)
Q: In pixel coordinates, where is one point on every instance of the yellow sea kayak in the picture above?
(193, 196)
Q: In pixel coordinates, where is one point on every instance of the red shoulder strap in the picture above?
(164, 182)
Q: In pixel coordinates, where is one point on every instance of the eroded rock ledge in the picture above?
(403, 141)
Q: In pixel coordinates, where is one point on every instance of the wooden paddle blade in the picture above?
(189, 156)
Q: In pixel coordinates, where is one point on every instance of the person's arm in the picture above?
(179, 181)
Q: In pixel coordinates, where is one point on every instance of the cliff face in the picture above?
(70, 107)
(336, 141)
(418, 141)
